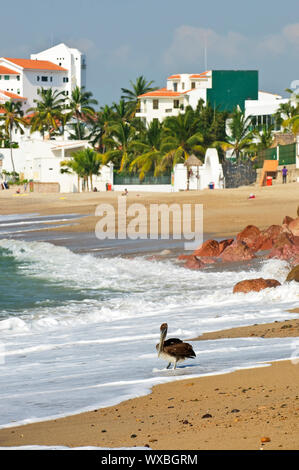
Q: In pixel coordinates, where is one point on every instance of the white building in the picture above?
(60, 68)
(223, 89)
(21, 78)
(70, 59)
(181, 90)
(40, 161)
(263, 109)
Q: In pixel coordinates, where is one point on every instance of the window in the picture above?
(0, 77)
(18, 78)
(183, 86)
(38, 78)
(192, 85)
(155, 104)
(44, 79)
(175, 87)
(176, 103)
(6, 77)
(51, 79)
(65, 79)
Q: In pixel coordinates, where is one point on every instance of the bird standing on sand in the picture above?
(173, 350)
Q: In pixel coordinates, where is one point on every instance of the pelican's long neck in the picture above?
(162, 338)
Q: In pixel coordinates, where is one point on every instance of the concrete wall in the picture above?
(46, 187)
(201, 177)
(293, 175)
(39, 161)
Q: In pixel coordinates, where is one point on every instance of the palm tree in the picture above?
(121, 110)
(12, 118)
(140, 87)
(152, 147)
(265, 137)
(292, 124)
(48, 112)
(85, 163)
(101, 124)
(80, 106)
(241, 134)
(183, 138)
(121, 136)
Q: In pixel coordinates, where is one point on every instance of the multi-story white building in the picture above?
(223, 89)
(60, 68)
(70, 59)
(21, 78)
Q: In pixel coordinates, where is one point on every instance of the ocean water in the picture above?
(78, 331)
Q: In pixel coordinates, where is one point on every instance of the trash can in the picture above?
(211, 186)
(109, 186)
(269, 181)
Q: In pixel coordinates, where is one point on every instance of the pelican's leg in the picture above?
(168, 365)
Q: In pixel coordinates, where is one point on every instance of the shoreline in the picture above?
(136, 422)
(129, 424)
(226, 212)
(232, 411)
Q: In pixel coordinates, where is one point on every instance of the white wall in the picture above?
(69, 58)
(31, 83)
(263, 105)
(210, 172)
(40, 161)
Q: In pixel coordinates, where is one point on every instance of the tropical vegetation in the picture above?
(116, 135)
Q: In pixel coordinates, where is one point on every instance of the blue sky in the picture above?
(124, 39)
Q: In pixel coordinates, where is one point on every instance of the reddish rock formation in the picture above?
(268, 237)
(294, 227)
(287, 220)
(249, 235)
(285, 247)
(237, 251)
(193, 263)
(293, 274)
(255, 285)
(184, 257)
(209, 248)
(224, 244)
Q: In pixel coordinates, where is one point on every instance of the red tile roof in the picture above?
(165, 92)
(161, 92)
(199, 75)
(174, 77)
(36, 64)
(6, 71)
(11, 95)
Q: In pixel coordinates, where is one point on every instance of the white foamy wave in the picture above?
(125, 293)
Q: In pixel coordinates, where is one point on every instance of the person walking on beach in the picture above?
(284, 175)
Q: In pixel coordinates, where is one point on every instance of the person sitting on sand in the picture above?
(125, 193)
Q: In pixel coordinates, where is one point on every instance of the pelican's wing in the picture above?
(171, 341)
(180, 349)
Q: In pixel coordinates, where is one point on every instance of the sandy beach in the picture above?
(224, 212)
(248, 409)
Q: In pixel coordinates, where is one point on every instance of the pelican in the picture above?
(173, 349)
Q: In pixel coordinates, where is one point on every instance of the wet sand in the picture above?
(233, 411)
(236, 411)
(225, 211)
